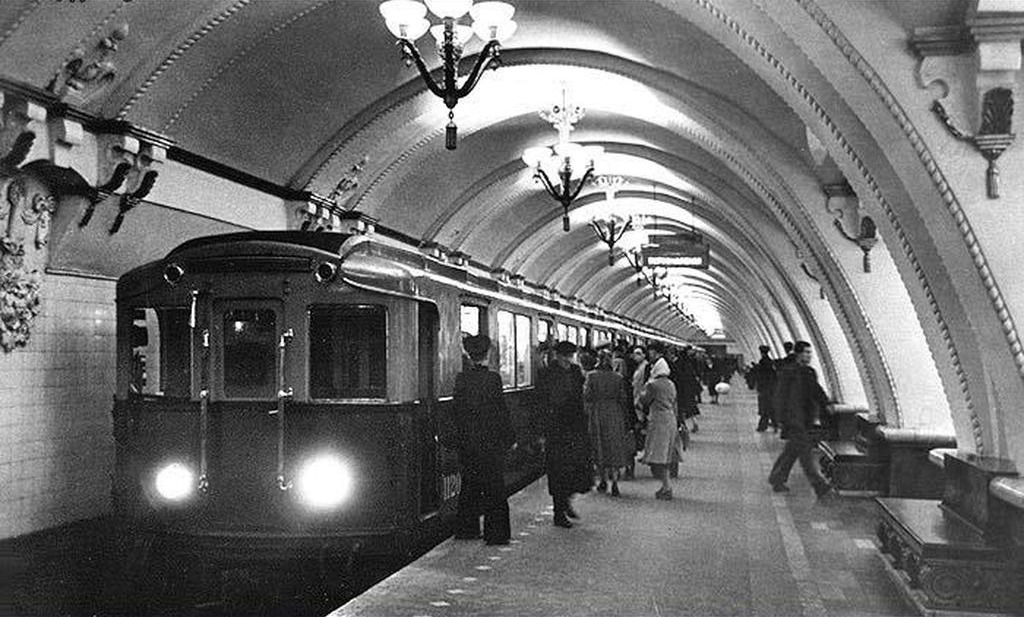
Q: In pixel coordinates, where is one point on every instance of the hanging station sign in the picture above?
(685, 250)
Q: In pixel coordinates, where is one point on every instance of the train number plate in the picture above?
(451, 484)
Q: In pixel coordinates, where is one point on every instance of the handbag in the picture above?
(684, 436)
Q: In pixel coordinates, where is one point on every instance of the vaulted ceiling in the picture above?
(296, 92)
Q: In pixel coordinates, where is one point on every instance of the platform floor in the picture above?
(726, 545)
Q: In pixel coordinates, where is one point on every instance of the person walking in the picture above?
(799, 403)
(560, 396)
(764, 380)
(606, 402)
(658, 395)
(483, 435)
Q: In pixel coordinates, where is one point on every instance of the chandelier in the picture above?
(570, 164)
(492, 22)
(612, 227)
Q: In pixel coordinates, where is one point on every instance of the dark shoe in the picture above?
(664, 495)
(695, 427)
(571, 513)
(760, 430)
(602, 487)
(780, 488)
(561, 521)
(615, 489)
(504, 542)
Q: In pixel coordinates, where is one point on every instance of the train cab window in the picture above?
(348, 352)
(250, 353)
(514, 349)
(161, 354)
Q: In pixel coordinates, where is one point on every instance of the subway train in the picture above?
(282, 395)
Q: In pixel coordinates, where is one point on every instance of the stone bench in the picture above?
(944, 563)
(964, 552)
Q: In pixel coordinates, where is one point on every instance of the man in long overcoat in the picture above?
(799, 403)
(484, 434)
(567, 446)
(764, 381)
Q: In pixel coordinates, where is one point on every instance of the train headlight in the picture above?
(324, 482)
(175, 482)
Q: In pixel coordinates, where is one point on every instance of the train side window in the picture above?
(585, 340)
(473, 320)
(544, 328)
(250, 353)
(562, 332)
(524, 369)
(161, 356)
(514, 349)
(348, 352)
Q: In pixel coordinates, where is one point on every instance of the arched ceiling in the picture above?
(295, 92)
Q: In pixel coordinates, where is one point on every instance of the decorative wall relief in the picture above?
(85, 73)
(19, 295)
(19, 286)
(342, 191)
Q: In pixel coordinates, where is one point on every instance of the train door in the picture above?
(430, 495)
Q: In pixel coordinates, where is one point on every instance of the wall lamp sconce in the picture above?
(492, 22)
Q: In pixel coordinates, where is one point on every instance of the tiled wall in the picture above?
(56, 449)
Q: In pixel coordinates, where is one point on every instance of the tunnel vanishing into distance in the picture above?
(852, 166)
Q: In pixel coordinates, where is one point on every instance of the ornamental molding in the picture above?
(951, 203)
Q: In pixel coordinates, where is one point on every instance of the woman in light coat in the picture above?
(659, 397)
(606, 401)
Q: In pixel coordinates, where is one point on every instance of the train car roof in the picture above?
(330, 242)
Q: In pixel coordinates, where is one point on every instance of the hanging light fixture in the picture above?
(566, 162)
(612, 227)
(492, 22)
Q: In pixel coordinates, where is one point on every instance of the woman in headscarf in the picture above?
(659, 397)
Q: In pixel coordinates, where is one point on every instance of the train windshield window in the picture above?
(348, 352)
(161, 357)
(250, 353)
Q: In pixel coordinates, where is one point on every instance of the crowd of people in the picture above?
(596, 409)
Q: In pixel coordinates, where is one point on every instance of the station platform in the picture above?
(726, 545)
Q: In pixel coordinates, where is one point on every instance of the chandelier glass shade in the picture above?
(492, 22)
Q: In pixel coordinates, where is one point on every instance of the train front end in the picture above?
(263, 410)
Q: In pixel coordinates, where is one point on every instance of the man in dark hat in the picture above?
(560, 398)
(484, 433)
(764, 381)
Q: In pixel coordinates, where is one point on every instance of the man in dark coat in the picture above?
(484, 433)
(799, 403)
(564, 419)
(764, 381)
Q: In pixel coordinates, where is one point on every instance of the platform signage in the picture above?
(679, 251)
